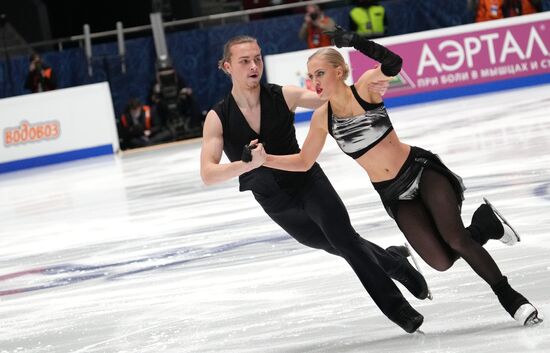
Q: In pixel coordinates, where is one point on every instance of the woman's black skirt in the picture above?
(405, 185)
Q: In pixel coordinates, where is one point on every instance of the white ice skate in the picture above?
(527, 315)
(418, 269)
(510, 236)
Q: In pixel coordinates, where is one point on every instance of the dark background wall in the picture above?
(38, 20)
(100, 15)
(29, 17)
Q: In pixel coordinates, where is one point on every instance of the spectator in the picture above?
(40, 77)
(315, 23)
(140, 127)
(523, 7)
(487, 10)
(368, 18)
(188, 107)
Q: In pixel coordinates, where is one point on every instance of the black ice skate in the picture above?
(510, 236)
(407, 318)
(407, 275)
(516, 304)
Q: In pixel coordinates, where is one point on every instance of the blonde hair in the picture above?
(333, 57)
(227, 48)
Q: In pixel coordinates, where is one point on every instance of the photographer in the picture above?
(40, 77)
(139, 126)
(315, 23)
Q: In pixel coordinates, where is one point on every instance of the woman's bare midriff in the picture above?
(384, 160)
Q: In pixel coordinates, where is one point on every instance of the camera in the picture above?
(314, 16)
(171, 101)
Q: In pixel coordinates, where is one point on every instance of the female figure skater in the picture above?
(417, 189)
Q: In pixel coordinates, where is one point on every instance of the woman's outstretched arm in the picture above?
(311, 148)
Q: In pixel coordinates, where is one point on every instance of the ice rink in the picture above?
(134, 254)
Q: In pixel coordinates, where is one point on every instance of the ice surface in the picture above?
(134, 254)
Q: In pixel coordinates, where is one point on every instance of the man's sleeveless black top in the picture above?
(277, 133)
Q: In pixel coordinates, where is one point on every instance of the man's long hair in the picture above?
(227, 48)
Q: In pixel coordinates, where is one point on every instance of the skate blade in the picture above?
(533, 320)
(509, 238)
(418, 269)
(503, 220)
(527, 315)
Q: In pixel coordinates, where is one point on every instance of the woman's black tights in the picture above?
(433, 226)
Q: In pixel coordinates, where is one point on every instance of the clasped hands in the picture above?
(254, 153)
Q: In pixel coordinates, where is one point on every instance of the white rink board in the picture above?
(82, 118)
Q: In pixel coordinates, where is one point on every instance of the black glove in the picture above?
(340, 37)
(391, 62)
(246, 156)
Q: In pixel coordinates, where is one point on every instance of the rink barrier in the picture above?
(56, 158)
(57, 126)
(444, 63)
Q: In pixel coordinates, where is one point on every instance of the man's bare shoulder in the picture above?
(212, 124)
